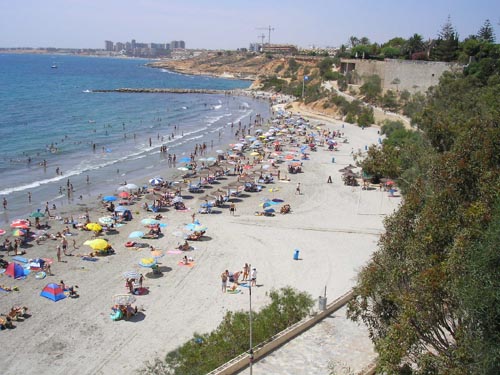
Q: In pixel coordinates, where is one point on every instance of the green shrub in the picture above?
(205, 352)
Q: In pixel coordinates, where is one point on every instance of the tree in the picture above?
(486, 32)
(371, 88)
(430, 295)
(446, 45)
(353, 41)
(414, 44)
(390, 100)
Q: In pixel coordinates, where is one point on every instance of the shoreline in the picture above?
(188, 300)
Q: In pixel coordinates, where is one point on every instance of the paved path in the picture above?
(336, 345)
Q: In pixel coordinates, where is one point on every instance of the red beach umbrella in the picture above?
(124, 194)
(22, 224)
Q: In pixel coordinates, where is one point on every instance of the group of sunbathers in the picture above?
(15, 314)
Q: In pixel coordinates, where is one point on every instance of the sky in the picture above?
(231, 24)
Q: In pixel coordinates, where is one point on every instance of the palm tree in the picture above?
(415, 44)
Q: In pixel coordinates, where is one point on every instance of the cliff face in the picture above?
(225, 64)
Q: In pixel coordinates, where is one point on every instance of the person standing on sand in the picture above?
(297, 190)
(253, 277)
(4, 203)
(329, 181)
(29, 197)
(246, 269)
(223, 277)
(232, 208)
(58, 253)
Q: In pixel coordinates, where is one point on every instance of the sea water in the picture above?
(51, 121)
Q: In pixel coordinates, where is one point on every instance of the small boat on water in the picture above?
(54, 66)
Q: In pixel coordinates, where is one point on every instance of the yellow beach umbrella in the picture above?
(94, 227)
(254, 153)
(97, 244)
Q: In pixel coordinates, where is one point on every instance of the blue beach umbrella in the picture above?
(185, 159)
(109, 198)
(149, 221)
(120, 208)
(156, 181)
(269, 210)
(136, 234)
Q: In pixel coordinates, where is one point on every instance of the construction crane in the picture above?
(269, 29)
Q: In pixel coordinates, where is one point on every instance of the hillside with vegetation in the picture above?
(431, 293)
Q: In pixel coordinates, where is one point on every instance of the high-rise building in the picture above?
(176, 44)
(108, 45)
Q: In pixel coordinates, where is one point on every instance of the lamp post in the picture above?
(250, 352)
(303, 85)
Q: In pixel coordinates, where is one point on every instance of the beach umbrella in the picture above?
(18, 232)
(219, 151)
(136, 234)
(183, 169)
(120, 208)
(147, 262)
(94, 227)
(156, 181)
(277, 200)
(109, 198)
(177, 199)
(123, 299)
(37, 213)
(131, 275)
(157, 254)
(149, 221)
(196, 227)
(124, 194)
(22, 224)
(185, 159)
(254, 153)
(269, 210)
(2, 232)
(97, 244)
(106, 220)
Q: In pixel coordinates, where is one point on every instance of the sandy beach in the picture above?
(334, 227)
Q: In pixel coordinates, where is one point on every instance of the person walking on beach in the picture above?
(297, 190)
(253, 277)
(29, 197)
(58, 253)
(223, 277)
(47, 211)
(329, 181)
(4, 203)
(232, 208)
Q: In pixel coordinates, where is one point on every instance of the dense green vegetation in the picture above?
(445, 47)
(430, 295)
(205, 352)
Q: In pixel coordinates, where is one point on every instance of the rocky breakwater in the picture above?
(166, 91)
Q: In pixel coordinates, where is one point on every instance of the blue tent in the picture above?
(53, 292)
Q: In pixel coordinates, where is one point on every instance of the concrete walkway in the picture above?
(335, 345)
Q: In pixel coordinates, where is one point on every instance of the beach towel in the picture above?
(141, 291)
(236, 291)
(190, 264)
(20, 259)
(90, 259)
(176, 252)
(40, 275)
(244, 285)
